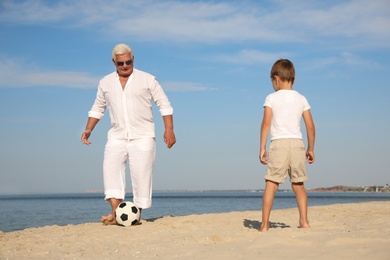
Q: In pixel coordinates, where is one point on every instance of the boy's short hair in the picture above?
(284, 69)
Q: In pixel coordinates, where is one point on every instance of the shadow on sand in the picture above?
(154, 219)
(255, 224)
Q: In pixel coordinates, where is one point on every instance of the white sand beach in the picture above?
(342, 231)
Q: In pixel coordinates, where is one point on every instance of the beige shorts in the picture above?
(286, 156)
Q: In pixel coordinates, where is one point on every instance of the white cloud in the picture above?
(35, 12)
(213, 22)
(11, 76)
(344, 59)
(249, 56)
(354, 60)
(347, 18)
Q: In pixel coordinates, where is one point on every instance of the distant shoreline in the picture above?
(353, 189)
(339, 188)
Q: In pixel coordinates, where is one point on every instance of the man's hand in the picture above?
(169, 138)
(85, 136)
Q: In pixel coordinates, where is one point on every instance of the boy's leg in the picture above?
(268, 200)
(301, 197)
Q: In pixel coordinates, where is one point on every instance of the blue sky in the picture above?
(213, 59)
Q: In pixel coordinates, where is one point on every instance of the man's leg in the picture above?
(142, 154)
(268, 200)
(114, 173)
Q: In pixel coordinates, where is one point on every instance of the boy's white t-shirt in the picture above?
(287, 108)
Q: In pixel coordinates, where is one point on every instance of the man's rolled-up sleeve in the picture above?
(98, 107)
(161, 99)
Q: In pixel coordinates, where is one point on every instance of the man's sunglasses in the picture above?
(121, 63)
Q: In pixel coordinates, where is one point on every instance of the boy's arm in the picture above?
(265, 126)
(311, 135)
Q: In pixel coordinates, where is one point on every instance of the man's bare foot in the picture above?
(263, 228)
(109, 220)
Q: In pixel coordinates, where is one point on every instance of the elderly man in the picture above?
(127, 94)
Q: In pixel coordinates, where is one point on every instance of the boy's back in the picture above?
(287, 109)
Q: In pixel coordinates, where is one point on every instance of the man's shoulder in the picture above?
(141, 73)
(110, 76)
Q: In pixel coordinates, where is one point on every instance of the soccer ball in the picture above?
(127, 214)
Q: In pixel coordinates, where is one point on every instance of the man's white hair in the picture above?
(120, 49)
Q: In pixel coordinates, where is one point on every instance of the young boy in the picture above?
(283, 111)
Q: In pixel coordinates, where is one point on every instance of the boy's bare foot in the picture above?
(108, 220)
(304, 225)
(263, 228)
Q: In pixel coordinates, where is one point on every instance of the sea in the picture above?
(18, 212)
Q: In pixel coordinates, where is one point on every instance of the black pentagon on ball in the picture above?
(122, 205)
(134, 209)
(124, 217)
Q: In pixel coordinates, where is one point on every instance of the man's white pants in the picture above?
(141, 154)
